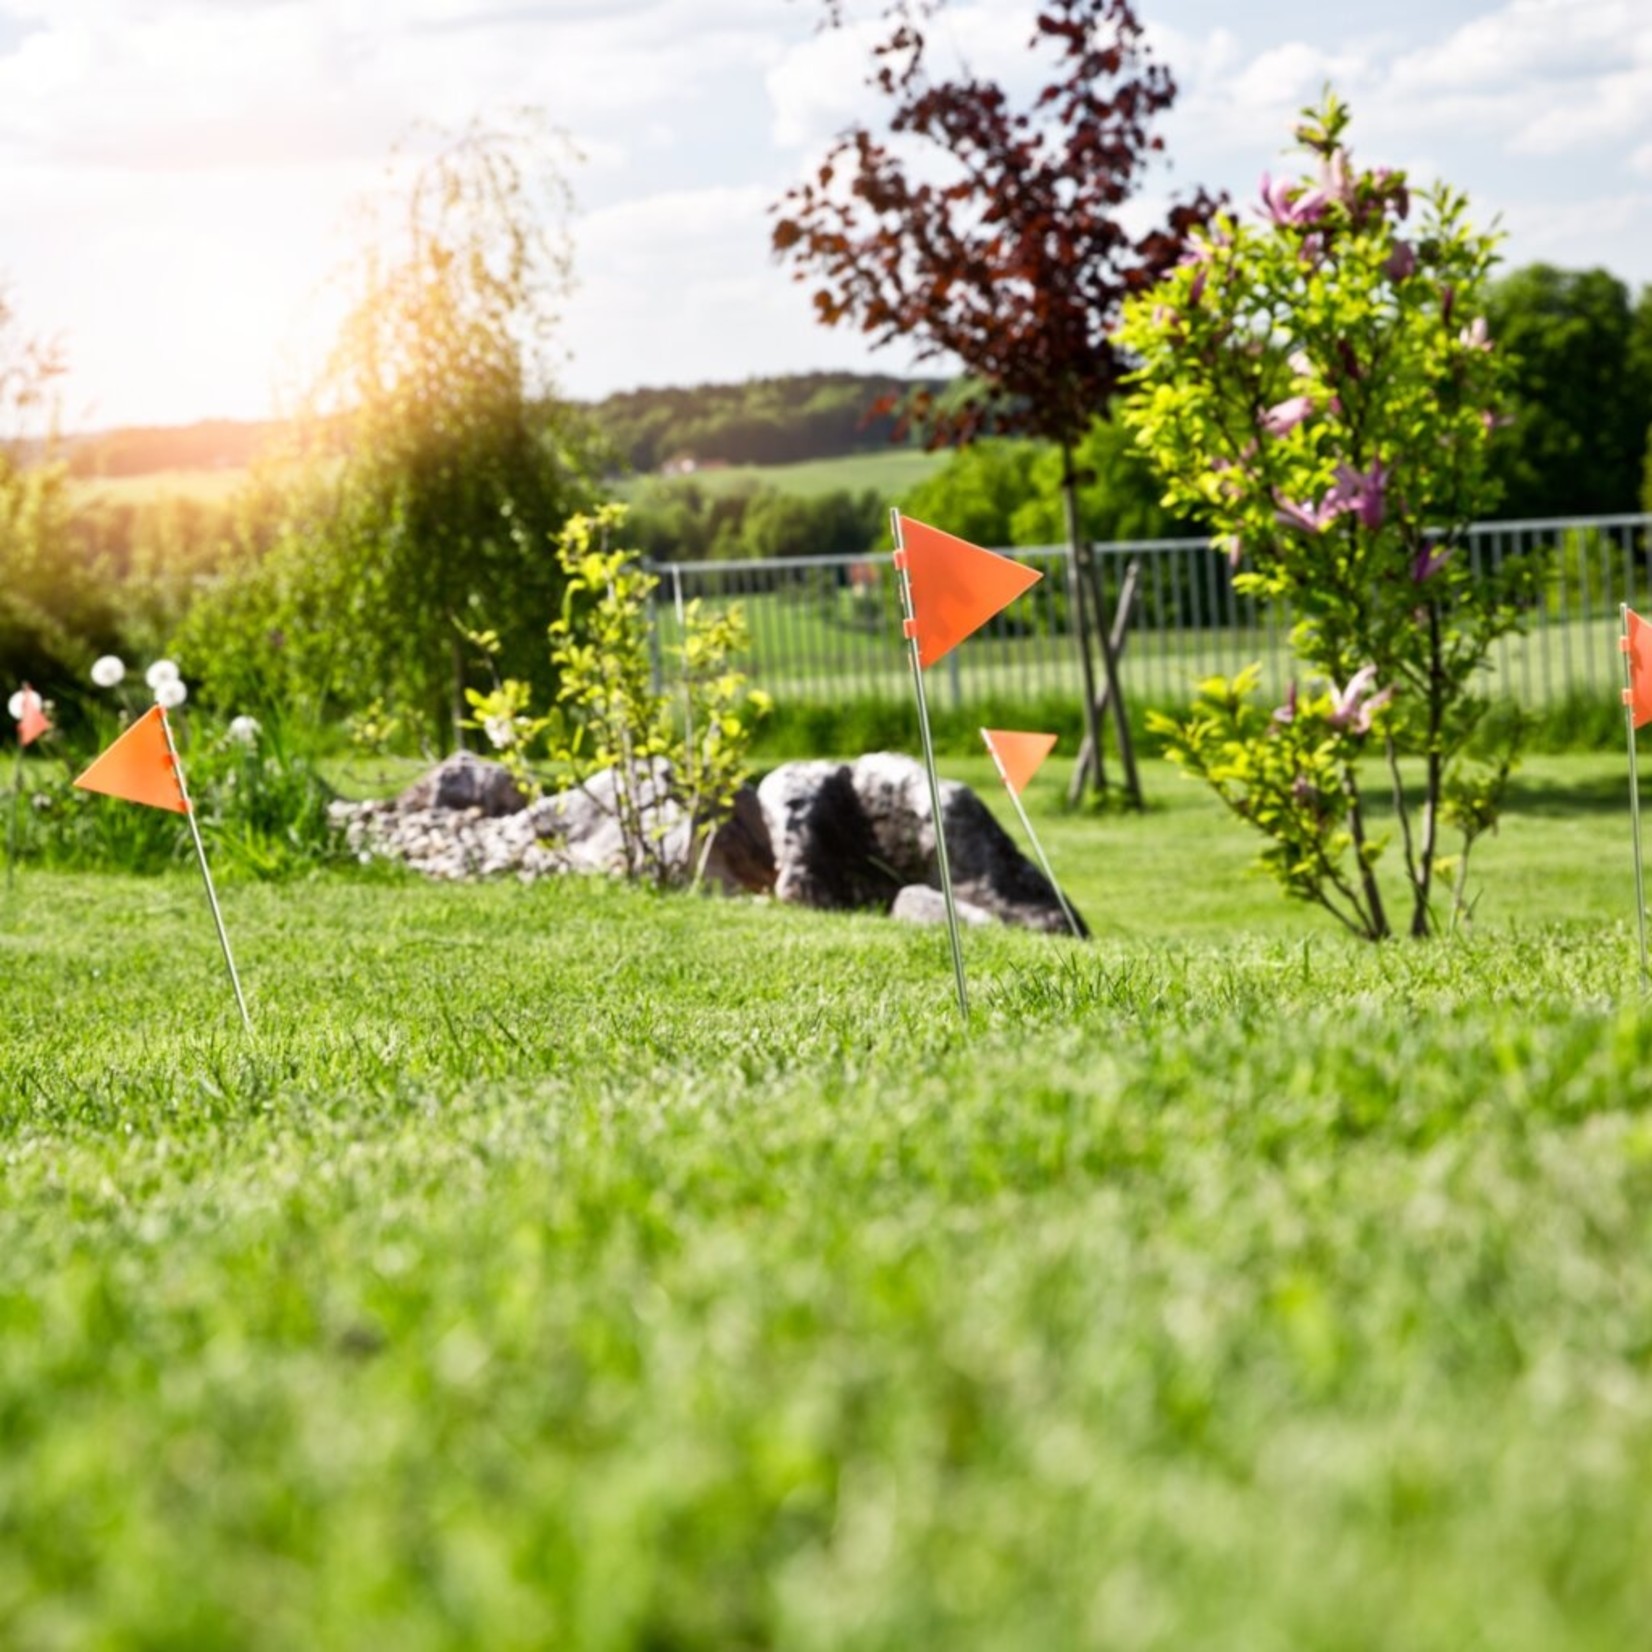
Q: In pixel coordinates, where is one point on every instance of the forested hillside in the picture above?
(771, 421)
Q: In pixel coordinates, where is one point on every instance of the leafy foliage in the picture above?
(1292, 776)
(1003, 491)
(1580, 391)
(454, 468)
(662, 753)
(1321, 389)
(1015, 262)
(761, 421)
(54, 614)
(679, 521)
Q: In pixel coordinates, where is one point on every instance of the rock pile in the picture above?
(834, 835)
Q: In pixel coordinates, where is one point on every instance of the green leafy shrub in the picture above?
(1320, 388)
(674, 744)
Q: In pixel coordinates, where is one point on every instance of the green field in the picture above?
(888, 473)
(208, 486)
(575, 1266)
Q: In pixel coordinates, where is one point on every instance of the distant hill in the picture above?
(142, 450)
(773, 421)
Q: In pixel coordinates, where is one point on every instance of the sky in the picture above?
(178, 177)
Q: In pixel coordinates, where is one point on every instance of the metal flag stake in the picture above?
(1027, 827)
(206, 875)
(910, 629)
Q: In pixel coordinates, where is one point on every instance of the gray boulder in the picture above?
(917, 903)
(825, 854)
(856, 834)
(465, 781)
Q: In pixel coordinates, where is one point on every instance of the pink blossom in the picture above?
(1402, 261)
(1285, 416)
(1334, 177)
(1301, 363)
(1287, 712)
(1362, 491)
(1474, 336)
(1305, 206)
(1494, 421)
(1196, 288)
(1309, 518)
(1428, 561)
(1232, 547)
(1355, 703)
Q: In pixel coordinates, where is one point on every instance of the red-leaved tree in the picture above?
(991, 232)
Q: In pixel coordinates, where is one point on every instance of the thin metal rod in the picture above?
(1038, 848)
(929, 767)
(206, 876)
(1634, 792)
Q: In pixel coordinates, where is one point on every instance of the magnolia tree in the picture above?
(1315, 380)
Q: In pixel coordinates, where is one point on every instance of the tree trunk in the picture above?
(1368, 879)
(1422, 918)
(457, 708)
(1078, 560)
(1087, 582)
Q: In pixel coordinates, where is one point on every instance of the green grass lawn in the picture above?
(574, 1266)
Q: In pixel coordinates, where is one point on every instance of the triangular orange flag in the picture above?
(1637, 644)
(1019, 755)
(34, 722)
(139, 767)
(956, 587)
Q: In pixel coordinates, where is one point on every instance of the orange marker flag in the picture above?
(139, 767)
(32, 721)
(1636, 647)
(1018, 755)
(956, 587)
(1637, 644)
(142, 767)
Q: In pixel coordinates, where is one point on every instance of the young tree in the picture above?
(992, 233)
(1320, 387)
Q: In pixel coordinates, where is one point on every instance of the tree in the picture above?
(443, 467)
(1000, 242)
(978, 491)
(54, 613)
(1321, 387)
(1580, 391)
(1007, 491)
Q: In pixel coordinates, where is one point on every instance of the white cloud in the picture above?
(174, 174)
(680, 288)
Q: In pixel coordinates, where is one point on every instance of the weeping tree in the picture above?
(990, 231)
(442, 465)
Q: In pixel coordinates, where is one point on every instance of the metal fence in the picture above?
(827, 629)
